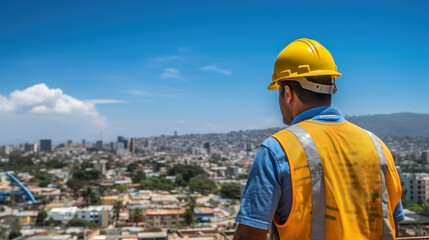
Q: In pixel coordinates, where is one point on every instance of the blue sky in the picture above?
(92, 69)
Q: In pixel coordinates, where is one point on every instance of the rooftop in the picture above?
(165, 211)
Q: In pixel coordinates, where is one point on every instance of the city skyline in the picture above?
(73, 70)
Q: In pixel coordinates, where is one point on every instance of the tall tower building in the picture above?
(207, 147)
(425, 156)
(46, 145)
(30, 147)
(132, 145)
(99, 145)
(124, 141)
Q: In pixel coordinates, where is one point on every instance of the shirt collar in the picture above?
(321, 114)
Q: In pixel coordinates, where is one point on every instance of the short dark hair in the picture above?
(306, 96)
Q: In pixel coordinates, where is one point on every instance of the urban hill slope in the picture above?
(383, 125)
(395, 124)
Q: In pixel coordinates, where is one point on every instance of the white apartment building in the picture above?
(62, 214)
(100, 166)
(415, 186)
(100, 215)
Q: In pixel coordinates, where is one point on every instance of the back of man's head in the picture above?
(308, 97)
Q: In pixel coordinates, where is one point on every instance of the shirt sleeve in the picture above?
(263, 190)
(398, 214)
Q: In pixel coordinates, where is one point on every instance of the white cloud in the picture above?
(5, 105)
(171, 73)
(39, 111)
(104, 101)
(216, 69)
(39, 99)
(181, 121)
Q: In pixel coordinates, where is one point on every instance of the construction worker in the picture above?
(322, 177)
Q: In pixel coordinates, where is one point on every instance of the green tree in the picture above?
(137, 215)
(132, 166)
(153, 229)
(90, 197)
(15, 233)
(84, 175)
(202, 184)
(413, 206)
(190, 210)
(180, 181)
(156, 183)
(43, 179)
(121, 188)
(76, 222)
(50, 222)
(230, 191)
(425, 206)
(187, 171)
(19, 163)
(138, 176)
(117, 207)
(75, 185)
(55, 163)
(41, 217)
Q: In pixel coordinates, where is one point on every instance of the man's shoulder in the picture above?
(271, 143)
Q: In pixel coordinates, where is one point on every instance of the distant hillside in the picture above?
(394, 125)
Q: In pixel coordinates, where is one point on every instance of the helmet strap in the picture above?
(316, 87)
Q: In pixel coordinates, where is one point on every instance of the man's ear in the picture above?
(288, 94)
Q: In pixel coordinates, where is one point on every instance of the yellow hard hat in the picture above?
(305, 58)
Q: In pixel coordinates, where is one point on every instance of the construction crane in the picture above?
(16, 189)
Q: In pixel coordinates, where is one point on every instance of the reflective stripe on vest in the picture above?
(317, 180)
(318, 185)
(387, 231)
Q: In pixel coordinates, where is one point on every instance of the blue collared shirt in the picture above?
(268, 191)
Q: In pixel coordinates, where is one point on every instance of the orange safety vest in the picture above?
(344, 183)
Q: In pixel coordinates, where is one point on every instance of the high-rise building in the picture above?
(120, 149)
(99, 145)
(30, 147)
(6, 150)
(207, 147)
(132, 145)
(425, 156)
(46, 145)
(124, 141)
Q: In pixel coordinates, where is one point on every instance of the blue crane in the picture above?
(22, 192)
